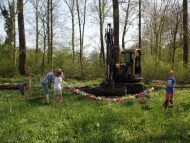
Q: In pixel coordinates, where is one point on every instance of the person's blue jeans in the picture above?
(45, 87)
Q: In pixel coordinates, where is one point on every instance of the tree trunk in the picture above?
(51, 32)
(125, 25)
(71, 6)
(44, 53)
(140, 44)
(14, 35)
(185, 32)
(37, 26)
(175, 36)
(83, 26)
(116, 31)
(102, 53)
(81, 32)
(48, 32)
(44, 44)
(73, 36)
(22, 42)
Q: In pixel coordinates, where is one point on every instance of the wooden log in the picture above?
(9, 86)
(17, 86)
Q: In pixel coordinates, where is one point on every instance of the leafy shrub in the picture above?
(34, 62)
(91, 67)
(154, 69)
(6, 69)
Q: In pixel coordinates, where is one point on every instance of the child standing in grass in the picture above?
(58, 83)
(170, 84)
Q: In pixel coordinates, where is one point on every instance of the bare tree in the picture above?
(101, 8)
(127, 11)
(157, 13)
(48, 32)
(102, 14)
(185, 32)
(22, 42)
(116, 30)
(81, 23)
(71, 6)
(14, 33)
(44, 36)
(174, 17)
(35, 4)
(140, 44)
(51, 32)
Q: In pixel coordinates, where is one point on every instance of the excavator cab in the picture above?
(130, 66)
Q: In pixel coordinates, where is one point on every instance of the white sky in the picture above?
(63, 30)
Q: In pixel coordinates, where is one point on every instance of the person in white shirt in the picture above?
(63, 77)
(58, 83)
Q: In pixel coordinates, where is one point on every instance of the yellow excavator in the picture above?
(124, 76)
(121, 77)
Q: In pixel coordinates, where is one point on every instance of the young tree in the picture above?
(51, 33)
(102, 14)
(14, 33)
(22, 42)
(102, 8)
(157, 13)
(127, 11)
(174, 20)
(35, 4)
(71, 5)
(48, 32)
(140, 44)
(81, 23)
(44, 36)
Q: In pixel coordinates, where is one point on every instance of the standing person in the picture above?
(170, 84)
(58, 86)
(49, 77)
(63, 77)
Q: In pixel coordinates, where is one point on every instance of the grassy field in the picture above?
(81, 120)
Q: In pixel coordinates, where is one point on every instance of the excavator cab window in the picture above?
(126, 62)
(137, 62)
(127, 58)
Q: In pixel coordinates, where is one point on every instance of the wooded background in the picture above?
(162, 35)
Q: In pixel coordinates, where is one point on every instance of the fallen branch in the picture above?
(17, 86)
(9, 86)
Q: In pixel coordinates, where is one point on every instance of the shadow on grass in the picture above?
(167, 138)
(128, 103)
(184, 106)
(38, 100)
(82, 98)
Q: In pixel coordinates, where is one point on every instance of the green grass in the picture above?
(81, 120)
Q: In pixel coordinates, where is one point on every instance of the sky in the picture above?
(63, 29)
(2, 32)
